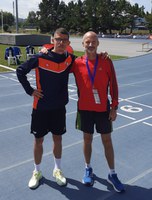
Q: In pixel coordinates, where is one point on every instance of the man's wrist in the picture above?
(115, 108)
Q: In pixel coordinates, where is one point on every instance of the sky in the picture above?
(25, 6)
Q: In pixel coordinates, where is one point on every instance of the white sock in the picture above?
(57, 162)
(87, 165)
(37, 167)
(112, 171)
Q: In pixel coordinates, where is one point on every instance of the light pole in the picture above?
(2, 19)
(16, 16)
(13, 9)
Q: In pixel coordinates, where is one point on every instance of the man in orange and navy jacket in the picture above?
(50, 97)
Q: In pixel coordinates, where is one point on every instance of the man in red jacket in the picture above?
(95, 77)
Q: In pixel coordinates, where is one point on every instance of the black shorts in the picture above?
(86, 121)
(53, 121)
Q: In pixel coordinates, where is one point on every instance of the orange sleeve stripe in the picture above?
(38, 86)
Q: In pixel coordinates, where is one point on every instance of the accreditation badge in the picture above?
(96, 96)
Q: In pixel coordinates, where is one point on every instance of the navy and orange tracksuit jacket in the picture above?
(52, 73)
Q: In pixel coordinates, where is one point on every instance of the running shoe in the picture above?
(60, 179)
(35, 179)
(88, 177)
(115, 182)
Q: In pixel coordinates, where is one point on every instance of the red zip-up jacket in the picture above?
(105, 83)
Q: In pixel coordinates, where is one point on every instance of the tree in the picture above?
(8, 18)
(84, 15)
(74, 17)
(70, 21)
(60, 15)
(90, 9)
(31, 19)
(134, 12)
(47, 16)
(121, 16)
(105, 15)
(6, 27)
(148, 18)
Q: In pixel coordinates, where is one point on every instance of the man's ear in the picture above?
(52, 40)
(98, 42)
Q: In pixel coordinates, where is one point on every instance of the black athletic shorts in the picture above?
(87, 121)
(53, 121)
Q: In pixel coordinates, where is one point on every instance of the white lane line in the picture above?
(135, 73)
(27, 124)
(2, 78)
(141, 95)
(132, 123)
(9, 85)
(15, 127)
(65, 147)
(31, 159)
(129, 182)
(126, 116)
(136, 178)
(15, 93)
(15, 165)
(72, 85)
(147, 123)
(73, 97)
(70, 113)
(138, 82)
(141, 104)
(6, 77)
(15, 107)
(123, 126)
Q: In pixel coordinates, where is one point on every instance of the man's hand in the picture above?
(113, 114)
(37, 93)
(44, 50)
(104, 55)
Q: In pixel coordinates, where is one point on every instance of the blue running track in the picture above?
(132, 138)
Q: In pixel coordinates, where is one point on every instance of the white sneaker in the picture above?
(60, 179)
(34, 181)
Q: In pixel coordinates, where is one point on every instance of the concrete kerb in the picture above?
(9, 68)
